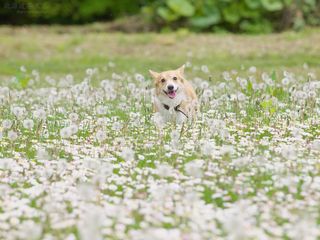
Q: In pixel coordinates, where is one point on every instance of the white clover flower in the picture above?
(175, 135)
(116, 126)
(42, 154)
(18, 111)
(226, 76)
(28, 229)
(207, 93)
(205, 69)
(312, 94)
(243, 83)
(204, 85)
(289, 152)
(241, 97)
(89, 71)
(7, 124)
(23, 69)
(66, 132)
(40, 114)
(194, 168)
(101, 136)
(73, 117)
(28, 123)
(127, 154)
(74, 128)
(252, 69)
(164, 170)
(139, 77)
(12, 135)
(207, 148)
(6, 163)
(285, 81)
(101, 110)
(90, 227)
(315, 145)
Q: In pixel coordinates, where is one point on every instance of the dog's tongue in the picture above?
(172, 94)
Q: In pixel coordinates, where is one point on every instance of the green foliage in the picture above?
(252, 16)
(70, 11)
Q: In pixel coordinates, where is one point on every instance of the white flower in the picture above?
(289, 152)
(12, 135)
(175, 135)
(6, 124)
(252, 69)
(18, 111)
(89, 71)
(74, 128)
(241, 97)
(90, 226)
(28, 229)
(101, 136)
(73, 117)
(164, 170)
(205, 69)
(23, 69)
(194, 168)
(139, 77)
(116, 126)
(28, 123)
(66, 132)
(207, 148)
(101, 110)
(315, 145)
(285, 81)
(42, 154)
(39, 114)
(127, 154)
(207, 93)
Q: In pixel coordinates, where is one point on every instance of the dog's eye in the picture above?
(174, 78)
(163, 80)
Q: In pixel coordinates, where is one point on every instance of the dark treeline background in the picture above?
(252, 16)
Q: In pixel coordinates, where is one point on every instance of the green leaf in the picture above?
(181, 7)
(272, 5)
(266, 104)
(167, 14)
(252, 4)
(231, 13)
(287, 2)
(256, 26)
(274, 75)
(207, 21)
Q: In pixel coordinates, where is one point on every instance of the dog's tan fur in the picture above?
(185, 96)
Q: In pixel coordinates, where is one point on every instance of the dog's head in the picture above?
(169, 83)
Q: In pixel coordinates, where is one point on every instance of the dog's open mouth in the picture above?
(171, 93)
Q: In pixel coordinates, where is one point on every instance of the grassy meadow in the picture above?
(82, 155)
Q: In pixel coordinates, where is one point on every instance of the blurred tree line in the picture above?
(253, 16)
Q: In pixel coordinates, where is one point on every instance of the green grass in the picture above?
(59, 50)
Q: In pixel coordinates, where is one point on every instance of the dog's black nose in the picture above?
(170, 87)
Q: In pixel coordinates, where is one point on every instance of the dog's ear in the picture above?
(154, 74)
(181, 70)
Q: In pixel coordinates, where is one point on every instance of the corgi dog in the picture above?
(174, 98)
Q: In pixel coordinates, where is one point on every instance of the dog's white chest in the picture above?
(166, 108)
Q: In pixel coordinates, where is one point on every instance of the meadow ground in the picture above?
(82, 156)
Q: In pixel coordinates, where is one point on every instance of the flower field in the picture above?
(83, 156)
(91, 161)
